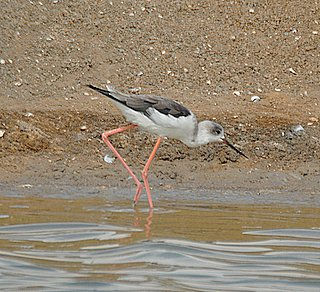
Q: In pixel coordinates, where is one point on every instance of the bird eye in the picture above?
(218, 132)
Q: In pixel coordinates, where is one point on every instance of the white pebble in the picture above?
(28, 114)
(2, 133)
(314, 119)
(255, 98)
(251, 10)
(297, 129)
(108, 159)
(315, 32)
(237, 93)
(83, 128)
(292, 71)
(277, 89)
(2, 61)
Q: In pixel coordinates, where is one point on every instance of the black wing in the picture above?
(142, 103)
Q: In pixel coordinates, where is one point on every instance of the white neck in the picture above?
(201, 137)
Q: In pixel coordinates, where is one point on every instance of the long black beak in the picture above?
(225, 141)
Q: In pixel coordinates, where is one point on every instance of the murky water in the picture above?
(90, 244)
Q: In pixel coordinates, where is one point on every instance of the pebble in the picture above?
(255, 98)
(28, 186)
(83, 128)
(135, 90)
(291, 70)
(2, 133)
(2, 61)
(314, 119)
(297, 129)
(237, 93)
(108, 159)
(28, 114)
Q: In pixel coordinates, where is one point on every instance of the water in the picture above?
(90, 244)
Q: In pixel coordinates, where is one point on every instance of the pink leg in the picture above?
(105, 139)
(145, 174)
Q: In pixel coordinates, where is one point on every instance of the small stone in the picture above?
(277, 89)
(251, 10)
(297, 129)
(18, 83)
(255, 98)
(314, 119)
(83, 128)
(140, 73)
(108, 159)
(2, 133)
(86, 94)
(28, 114)
(237, 93)
(28, 186)
(315, 32)
(208, 82)
(135, 90)
(291, 70)
(2, 61)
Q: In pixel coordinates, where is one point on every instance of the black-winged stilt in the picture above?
(165, 118)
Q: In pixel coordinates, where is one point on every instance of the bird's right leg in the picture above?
(105, 139)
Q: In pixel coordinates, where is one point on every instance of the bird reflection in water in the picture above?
(148, 222)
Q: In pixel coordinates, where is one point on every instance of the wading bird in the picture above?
(165, 118)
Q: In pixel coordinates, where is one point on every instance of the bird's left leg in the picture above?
(105, 139)
(145, 174)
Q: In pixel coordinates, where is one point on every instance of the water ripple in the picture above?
(159, 264)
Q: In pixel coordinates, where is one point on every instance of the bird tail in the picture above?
(106, 92)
